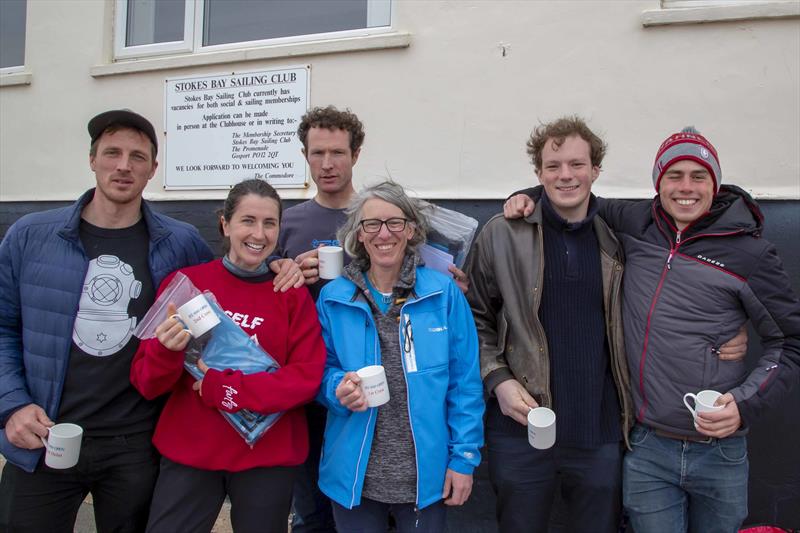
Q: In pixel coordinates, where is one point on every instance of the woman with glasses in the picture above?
(415, 454)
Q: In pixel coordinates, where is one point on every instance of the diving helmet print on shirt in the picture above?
(102, 326)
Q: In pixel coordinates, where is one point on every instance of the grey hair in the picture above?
(393, 193)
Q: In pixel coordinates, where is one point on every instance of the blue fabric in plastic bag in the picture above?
(228, 346)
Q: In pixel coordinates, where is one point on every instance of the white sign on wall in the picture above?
(229, 127)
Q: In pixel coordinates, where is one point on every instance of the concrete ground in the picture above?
(85, 521)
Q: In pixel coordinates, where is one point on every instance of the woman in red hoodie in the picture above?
(204, 458)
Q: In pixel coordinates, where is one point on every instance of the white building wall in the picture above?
(448, 116)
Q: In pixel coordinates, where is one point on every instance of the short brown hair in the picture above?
(332, 119)
(559, 130)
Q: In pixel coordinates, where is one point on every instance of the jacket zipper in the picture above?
(408, 390)
(371, 412)
(668, 266)
(544, 348)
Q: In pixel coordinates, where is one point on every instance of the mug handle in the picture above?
(694, 399)
(177, 317)
(44, 440)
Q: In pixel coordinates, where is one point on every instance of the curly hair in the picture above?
(331, 118)
(558, 131)
(393, 193)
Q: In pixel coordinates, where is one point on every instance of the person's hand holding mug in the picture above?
(27, 426)
(722, 423)
(309, 266)
(349, 393)
(171, 333)
(514, 400)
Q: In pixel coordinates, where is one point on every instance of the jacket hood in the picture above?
(732, 211)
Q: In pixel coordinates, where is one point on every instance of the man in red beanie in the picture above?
(696, 270)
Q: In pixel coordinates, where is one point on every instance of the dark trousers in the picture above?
(312, 509)
(120, 472)
(188, 499)
(525, 480)
(373, 517)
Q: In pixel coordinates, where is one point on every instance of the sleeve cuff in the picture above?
(495, 378)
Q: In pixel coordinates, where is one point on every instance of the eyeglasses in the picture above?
(373, 225)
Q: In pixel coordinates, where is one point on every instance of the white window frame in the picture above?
(192, 43)
(675, 4)
(16, 69)
(703, 11)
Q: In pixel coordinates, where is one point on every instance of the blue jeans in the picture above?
(373, 517)
(677, 485)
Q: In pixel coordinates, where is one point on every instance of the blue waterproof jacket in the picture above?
(445, 395)
(42, 271)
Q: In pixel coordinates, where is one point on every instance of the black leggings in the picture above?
(188, 499)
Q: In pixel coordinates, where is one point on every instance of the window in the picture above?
(12, 35)
(155, 27)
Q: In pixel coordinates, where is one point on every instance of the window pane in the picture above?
(12, 33)
(231, 21)
(154, 21)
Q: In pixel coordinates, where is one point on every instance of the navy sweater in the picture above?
(573, 318)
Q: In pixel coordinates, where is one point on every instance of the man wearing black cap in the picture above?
(74, 282)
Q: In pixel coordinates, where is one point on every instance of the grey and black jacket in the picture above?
(506, 269)
(688, 292)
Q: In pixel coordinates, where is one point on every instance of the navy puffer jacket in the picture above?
(42, 271)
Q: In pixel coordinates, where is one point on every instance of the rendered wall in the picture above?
(448, 115)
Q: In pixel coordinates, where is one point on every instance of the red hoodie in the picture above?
(191, 431)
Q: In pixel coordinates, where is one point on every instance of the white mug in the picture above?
(331, 260)
(197, 316)
(541, 428)
(62, 445)
(703, 402)
(373, 384)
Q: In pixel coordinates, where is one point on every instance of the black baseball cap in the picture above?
(121, 117)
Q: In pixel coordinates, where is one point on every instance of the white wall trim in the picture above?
(699, 15)
(329, 46)
(16, 78)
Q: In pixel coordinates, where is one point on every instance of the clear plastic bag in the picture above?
(450, 231)
(179, 291)
(224, 346)
(228, 346)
